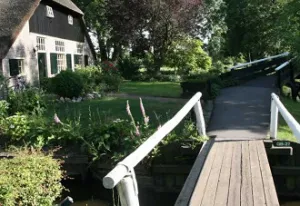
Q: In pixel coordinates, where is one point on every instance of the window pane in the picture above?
(15, 66)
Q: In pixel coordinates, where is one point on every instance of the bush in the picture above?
(16, 127)
(112, 82)
(67, 84)
(91, 77)
(30, 179)
(129, 67)
(29, 101)
(111, 77)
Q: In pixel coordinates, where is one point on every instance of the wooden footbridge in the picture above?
(232, 167)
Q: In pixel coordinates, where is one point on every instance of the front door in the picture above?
(42, 65)
(69, 61)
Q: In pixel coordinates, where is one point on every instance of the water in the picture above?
(91, 203)
(296, 203)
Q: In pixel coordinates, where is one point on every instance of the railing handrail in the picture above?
(126, 166)
(259, 60)
(276, 107)
(283, 65)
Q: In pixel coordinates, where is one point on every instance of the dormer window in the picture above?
(70, 19)
(50, 13)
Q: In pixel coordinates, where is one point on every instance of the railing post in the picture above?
(200, 118)
(128, 192)
(274, 120)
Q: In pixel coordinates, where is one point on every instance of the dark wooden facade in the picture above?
(57, 26)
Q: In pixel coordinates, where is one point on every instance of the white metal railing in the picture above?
(259, 60)
(283, 65)
(276, 107)
(123, 175)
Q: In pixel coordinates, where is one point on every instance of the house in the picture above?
(40, 38)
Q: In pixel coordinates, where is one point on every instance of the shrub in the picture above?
(29, 101)
(30, 179)
(91, 77)
(111, 77)
(4, 106)
(67, 84)
(129, 67)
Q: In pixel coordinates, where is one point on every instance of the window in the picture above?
(16, 66)
(79, 48)
(40, 41)
(61, 62)
(60, 46)
(70, 19)
(78, 60)
(50, 12)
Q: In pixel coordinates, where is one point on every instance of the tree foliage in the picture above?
(188, 56)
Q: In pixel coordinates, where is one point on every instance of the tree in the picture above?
(188, 56)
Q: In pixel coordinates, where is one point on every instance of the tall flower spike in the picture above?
(146, 118)
(128, 109)
(56, 119)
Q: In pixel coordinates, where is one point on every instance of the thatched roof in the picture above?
(15, 13)
(69, 4)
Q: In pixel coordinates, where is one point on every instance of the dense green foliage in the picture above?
(188, 56)
(91, 78)
(30, 101)
(129, 67)
(67, 84)
(30, 179)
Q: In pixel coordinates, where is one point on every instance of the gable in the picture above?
(58, 26)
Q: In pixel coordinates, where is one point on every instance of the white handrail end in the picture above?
(115, 176)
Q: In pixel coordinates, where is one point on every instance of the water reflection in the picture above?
(291, 203)
(91, 203)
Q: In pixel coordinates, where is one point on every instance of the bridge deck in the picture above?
(230, 173)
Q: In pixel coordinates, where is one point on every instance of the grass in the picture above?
(159, 89)
(284, 132)
(108, 108)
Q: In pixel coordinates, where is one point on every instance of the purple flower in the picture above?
(56, 119)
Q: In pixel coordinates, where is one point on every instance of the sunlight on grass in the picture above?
(284, 132)
(108, 108)
(161, 89)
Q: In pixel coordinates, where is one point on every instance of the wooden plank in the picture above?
(246, 188)
(257, 182)
(198, 193)
(189, 185)
(211, 187)
(234, 196)
(224, 179)
(269, 186)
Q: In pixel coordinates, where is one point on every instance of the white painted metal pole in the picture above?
(290, 120)
(124, 167)
(200, 118)
(127, 192)
(274, 119)
(260, 60)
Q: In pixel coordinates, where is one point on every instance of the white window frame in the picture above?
(61, 62)
(41, 43)
(49, 12)
(79, 49)
(70, 19)
(21, 67)
(59, 46)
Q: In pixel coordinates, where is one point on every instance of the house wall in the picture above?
(25, 48)
(57, 26)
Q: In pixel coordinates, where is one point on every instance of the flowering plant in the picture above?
(109, 67)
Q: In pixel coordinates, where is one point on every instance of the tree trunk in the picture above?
(102, 47)
(117, 52)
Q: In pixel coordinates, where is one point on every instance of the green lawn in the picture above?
(108, 108)
(160, 89)
(284, 131)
